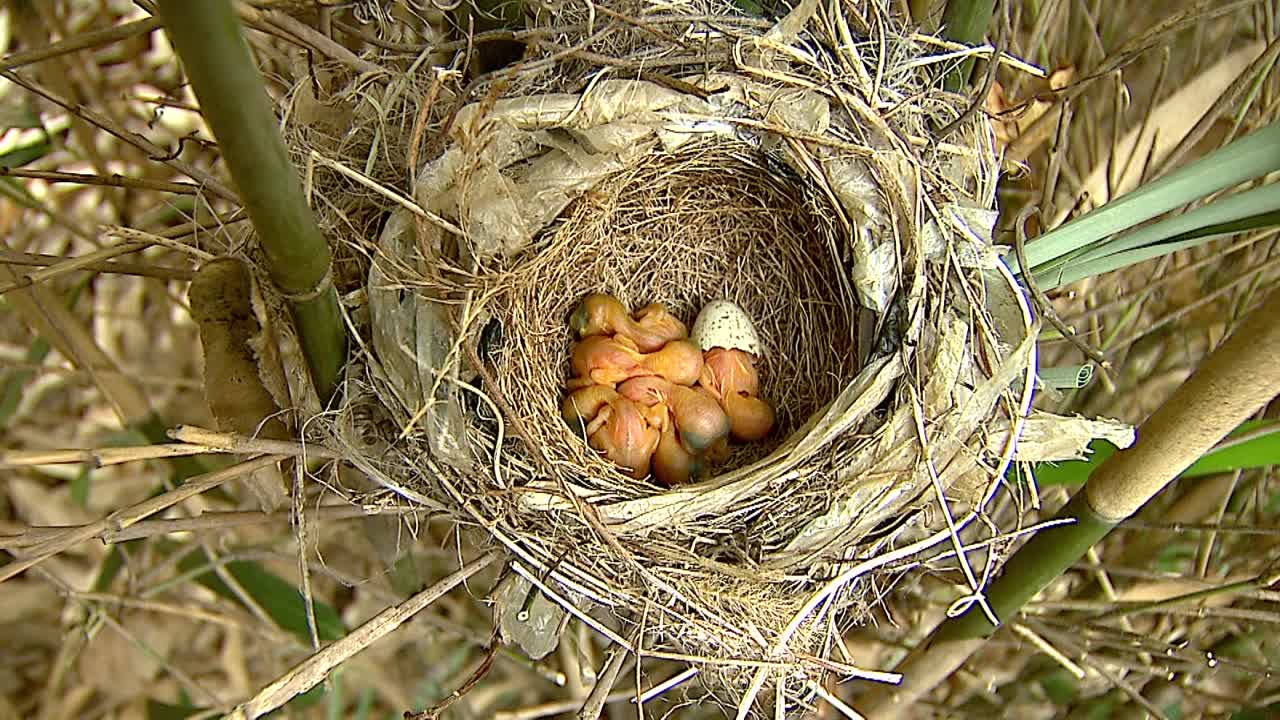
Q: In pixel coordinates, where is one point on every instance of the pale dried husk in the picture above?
(795, 172)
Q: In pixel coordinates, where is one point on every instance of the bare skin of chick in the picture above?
(726, 370)
(602, 360)
(697, 417)
(582, 406)
(673, 463)
(652, 327)
(614, 425)
(730, 376)
(625, 436)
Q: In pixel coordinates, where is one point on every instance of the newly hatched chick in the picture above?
(673, 464)
(697, 417)
(730, 375)
(725, 332)
(604, 360)
(653, 326)
(614, 425)
(582, 406)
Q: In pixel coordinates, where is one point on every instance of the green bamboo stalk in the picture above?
(233, 99)
(965, 21)
(1233, 383)
(1036, 564)
(920, 11)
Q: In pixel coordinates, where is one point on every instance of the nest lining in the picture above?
(684, 229)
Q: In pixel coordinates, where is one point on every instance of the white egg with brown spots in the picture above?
(730, 347)
(722, 324)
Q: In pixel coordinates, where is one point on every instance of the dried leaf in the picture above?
(528, 618)
(1046, 437)
(220, 304)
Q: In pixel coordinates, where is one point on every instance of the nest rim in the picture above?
(535, 524)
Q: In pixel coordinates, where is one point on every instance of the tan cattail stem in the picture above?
(1234, 382)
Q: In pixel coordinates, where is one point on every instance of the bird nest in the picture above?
(810, 171)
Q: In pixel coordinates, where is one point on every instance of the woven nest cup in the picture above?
(789, 173)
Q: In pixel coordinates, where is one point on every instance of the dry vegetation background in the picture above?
(166, 618)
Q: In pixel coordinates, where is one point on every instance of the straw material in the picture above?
(796, 167)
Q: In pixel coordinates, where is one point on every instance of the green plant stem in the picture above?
(965, 21)
(1044, 557)
(233, 100)
(1233, 383)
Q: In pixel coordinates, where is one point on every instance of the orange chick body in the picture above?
(614, 425)
(603, 360)
(673, 463)
(731, 377)
(696, 416)
(652, 327)
(582, 406)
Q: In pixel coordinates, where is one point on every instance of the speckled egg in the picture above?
(722, 324)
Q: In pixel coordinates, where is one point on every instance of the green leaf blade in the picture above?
(1252, 156)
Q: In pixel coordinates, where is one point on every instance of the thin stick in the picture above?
(307, 37)
(204, 522)
(71, 265)
(605, 680)
(834, 701)
(749, 697)
(189, 612)
(556, 707)
(188, 683)
(119, 267)
(1048, 649)
(98, 457)
(229, 442)
(400, 199)
(657, 690)
(125, 517)
(983, 51)
(316, 668)
(124, 181)
(80, 41)
(196, 443)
